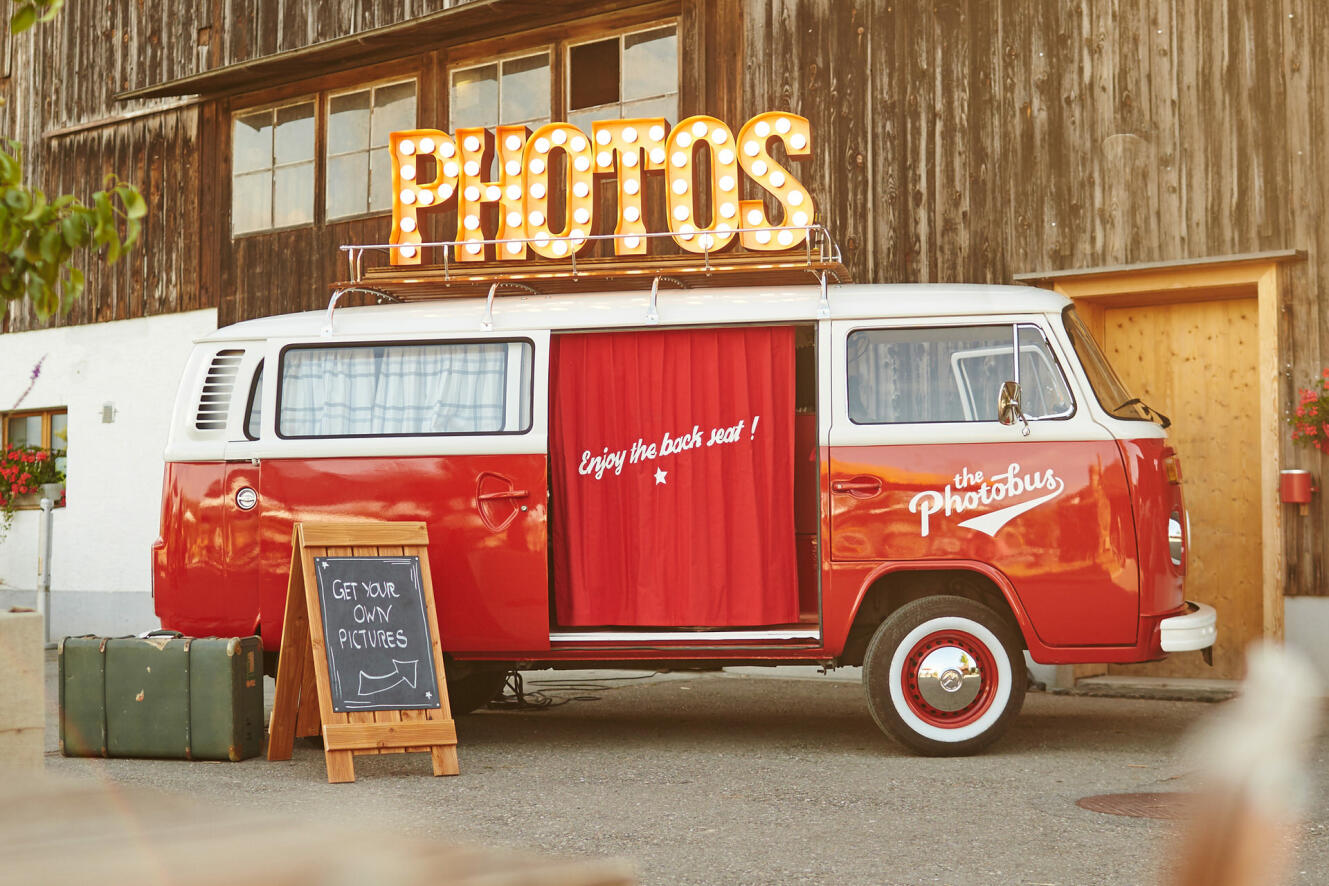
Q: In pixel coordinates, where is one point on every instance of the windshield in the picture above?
(1111, 392)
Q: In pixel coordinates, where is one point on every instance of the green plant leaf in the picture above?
(38, 207)
(135, 205)
(24, 18)
(18, 198)
(10, 169)
(50, 245)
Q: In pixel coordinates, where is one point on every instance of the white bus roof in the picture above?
(687, 307)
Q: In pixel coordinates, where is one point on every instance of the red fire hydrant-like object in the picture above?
(1296, 487)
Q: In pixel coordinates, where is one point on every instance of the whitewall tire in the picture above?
(944, 675)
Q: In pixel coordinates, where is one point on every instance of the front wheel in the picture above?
(942, 677)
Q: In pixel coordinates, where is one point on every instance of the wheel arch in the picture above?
(894, 585)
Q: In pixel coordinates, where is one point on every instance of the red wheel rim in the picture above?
(984, 663)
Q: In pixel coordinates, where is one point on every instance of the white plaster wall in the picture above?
(1306, 629)
(101, 564)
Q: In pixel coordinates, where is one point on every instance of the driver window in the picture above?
(949, 374)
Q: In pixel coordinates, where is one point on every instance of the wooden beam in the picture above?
(375, 736)
(1250, 259)
(1271, 507)
(366, 534)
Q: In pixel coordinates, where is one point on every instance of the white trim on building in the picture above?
(101, 574)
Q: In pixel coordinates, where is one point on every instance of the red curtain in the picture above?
(699, 532)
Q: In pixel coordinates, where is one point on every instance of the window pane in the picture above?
(255, 408)
(394, 110)
(666, 107)
(348, 122)
(927, 375)
(25, 430)
(583, 119)
(251, 142)
(348, 184)
(650, 64)
(1042, 387)
(380, 180)
(60, 430)
(593, 74)
(475, 97)
(295, 134)
(293, 195)
(251, 202)
(446, 388)
(525, 91)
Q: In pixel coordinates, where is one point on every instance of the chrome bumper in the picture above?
(1197, 629)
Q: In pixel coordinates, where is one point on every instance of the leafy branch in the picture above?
(28, 12)
(38, 237)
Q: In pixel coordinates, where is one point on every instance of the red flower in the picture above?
(42, 456)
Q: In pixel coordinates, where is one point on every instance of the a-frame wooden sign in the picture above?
(360, 657)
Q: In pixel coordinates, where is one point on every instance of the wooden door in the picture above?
(1195, 361)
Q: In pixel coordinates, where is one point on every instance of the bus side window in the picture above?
(254, 409)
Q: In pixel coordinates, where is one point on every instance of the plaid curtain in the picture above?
(403, 389)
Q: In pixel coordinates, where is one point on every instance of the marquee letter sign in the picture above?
(516, 207)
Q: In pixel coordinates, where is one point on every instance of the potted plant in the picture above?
(24, 471)
(1310, 420)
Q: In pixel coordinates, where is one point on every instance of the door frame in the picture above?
(1258, 275)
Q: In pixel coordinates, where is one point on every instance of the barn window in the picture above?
(359, 167)
(629, 75)
(508, 91)
(272, 168)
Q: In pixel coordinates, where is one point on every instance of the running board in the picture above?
(685, 636)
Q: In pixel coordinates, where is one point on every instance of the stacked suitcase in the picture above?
(162, 695)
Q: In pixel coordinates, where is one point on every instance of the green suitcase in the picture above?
(162, 695)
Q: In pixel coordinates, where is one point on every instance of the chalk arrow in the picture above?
(402, 672)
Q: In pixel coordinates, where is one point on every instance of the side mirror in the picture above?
(1008, 406)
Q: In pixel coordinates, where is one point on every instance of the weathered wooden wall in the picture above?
(59, 102)
(971, 140)
(954, 140)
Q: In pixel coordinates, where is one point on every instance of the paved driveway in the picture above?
(721, 778)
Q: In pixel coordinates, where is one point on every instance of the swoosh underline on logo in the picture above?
(990, 523)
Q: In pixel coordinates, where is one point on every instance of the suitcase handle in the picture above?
(174, 635)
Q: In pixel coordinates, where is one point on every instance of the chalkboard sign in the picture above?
(380, 655)
(360, 659)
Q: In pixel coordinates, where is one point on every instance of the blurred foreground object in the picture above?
(1252, 760)
(22, 690)
(57, 832)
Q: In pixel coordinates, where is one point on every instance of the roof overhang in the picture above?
(465, 22)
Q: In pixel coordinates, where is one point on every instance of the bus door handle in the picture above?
(506, 494)
(859, 487)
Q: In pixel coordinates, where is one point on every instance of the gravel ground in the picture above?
(723, 778)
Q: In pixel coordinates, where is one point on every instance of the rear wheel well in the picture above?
(894, 589)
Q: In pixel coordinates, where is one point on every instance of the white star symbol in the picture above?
(660, 477)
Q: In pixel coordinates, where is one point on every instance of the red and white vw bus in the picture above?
(923, 480)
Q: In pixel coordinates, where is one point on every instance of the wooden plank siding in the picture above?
(954, 140)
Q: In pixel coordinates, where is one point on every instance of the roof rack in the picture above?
(818, 261)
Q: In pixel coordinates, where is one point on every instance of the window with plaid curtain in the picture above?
(366, 390)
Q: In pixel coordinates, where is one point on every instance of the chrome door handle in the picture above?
(859, 487)
(507, 494)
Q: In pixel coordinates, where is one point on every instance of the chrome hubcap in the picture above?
(949, 678)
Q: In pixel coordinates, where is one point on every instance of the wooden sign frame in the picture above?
(302, 704)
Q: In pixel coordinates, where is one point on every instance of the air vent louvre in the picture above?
(215, 401)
